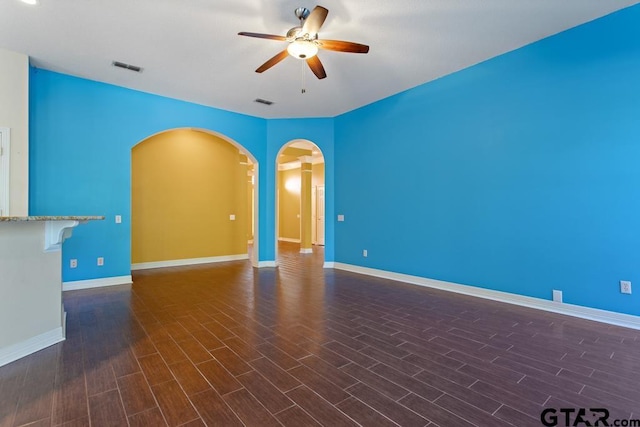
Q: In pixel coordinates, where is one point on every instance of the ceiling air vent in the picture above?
(263, 101)
(127, 66)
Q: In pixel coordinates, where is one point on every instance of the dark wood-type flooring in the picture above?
(227, 345)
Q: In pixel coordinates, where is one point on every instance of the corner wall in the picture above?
(519, 174)
(80, 160)
(14, 114)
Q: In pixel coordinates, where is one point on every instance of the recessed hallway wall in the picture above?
(186, 185)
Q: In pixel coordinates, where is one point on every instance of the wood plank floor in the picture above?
(225, 344)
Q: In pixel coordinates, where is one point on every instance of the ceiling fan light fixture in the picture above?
(302, 49)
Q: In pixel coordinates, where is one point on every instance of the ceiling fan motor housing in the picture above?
(302, 13)
(304, 42)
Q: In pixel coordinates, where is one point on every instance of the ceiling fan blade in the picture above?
(263, 36)
(342, 46)
(316, 67)
(273, 61)
(315, 20)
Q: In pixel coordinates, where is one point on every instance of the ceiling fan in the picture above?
(304, 42)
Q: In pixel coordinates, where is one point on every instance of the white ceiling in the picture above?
(190, 50)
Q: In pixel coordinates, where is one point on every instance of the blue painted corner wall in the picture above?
(81, 135)
(519, 174)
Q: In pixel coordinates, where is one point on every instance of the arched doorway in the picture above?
(300, 196)
(193, 200)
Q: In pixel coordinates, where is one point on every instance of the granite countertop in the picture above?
(50, 218)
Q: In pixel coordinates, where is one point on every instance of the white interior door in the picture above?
(319, 215)
(4, 171)
(314, 228)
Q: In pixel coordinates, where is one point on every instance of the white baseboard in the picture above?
(262, 264)
(189, 261)
(306, 251)
(329, 264)
(603, 316)
(25, 348)
(286, 239)
(96, 283)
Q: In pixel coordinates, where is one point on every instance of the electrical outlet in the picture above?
(557, 296)
(100, 261)
(73, 263)
(340, 218)
(625, 287)
(118, 219)
(232, 217)
(365, 253)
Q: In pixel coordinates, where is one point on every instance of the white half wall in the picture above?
(188, 261)
(30, 289)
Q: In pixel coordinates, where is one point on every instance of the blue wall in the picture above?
(519, 174)
(81, 136)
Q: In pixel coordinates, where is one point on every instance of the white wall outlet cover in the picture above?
(232, 217)
(340, 218)
(73, 263)
(100, 261)
(365, 253)
(625, 286)
(557, 296)
(118, 219)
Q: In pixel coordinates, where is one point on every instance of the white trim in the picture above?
(306, 250)
(188, 261)
(25, 348)
(262, 264)
(604, 316)
(56, 232)
(329, 264)
(5, 162)
(286, 239)
(96, 283)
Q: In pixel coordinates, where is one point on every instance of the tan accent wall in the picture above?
(289, 200)
(318, 175)
(289, 204)
(185, 185)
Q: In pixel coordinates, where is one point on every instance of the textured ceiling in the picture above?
(190, 50)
